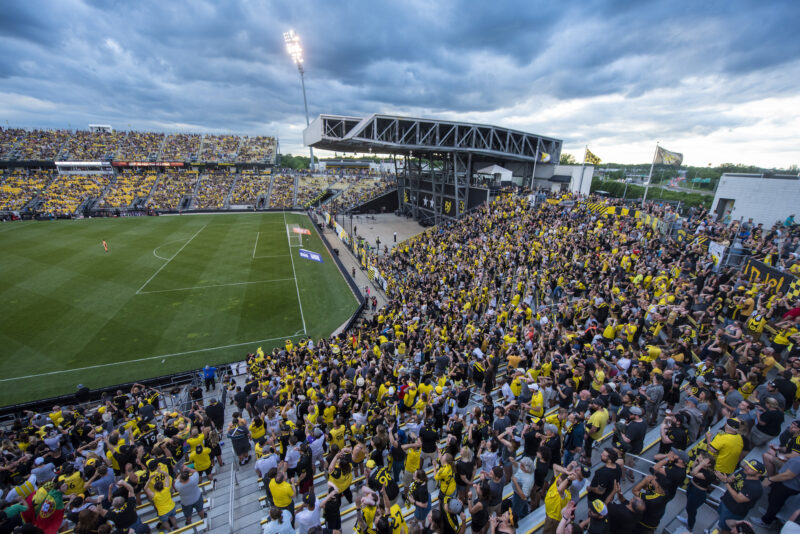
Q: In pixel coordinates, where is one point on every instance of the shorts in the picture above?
(196, 507)
(724, 515)
(333, 520)
(164, 518)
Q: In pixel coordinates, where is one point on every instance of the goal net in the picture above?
(295, 235)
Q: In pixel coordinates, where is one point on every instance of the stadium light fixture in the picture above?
(295, 51)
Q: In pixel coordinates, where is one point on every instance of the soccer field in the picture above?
(171, 294)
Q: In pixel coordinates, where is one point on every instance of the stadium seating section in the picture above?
(19, 186)
(214, 188)
(128, 186)
(501, 333)
(172, 187)
(66, 193)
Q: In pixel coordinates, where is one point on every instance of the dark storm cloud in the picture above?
(222, 65)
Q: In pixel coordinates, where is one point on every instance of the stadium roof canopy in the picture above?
(391, 134)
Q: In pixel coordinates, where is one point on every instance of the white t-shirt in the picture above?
(305, 520)
(265, 463)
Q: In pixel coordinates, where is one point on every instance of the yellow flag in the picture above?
(590, 158)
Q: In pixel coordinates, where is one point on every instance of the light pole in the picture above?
(296, 53)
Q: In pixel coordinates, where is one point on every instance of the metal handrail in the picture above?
(231, 494)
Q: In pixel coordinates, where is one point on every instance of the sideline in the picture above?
(163, 356)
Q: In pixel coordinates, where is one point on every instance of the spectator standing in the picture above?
(188, 487)
(209, 376)
(782, 486)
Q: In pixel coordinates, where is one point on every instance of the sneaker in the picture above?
(760, 522)
(683, 520)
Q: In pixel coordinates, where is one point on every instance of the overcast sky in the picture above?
(716, 80)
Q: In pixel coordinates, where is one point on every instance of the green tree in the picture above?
(567, 159)
(295, 162)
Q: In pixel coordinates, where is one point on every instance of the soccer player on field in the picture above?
(105, 245)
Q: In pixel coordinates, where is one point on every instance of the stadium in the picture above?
(451, 331)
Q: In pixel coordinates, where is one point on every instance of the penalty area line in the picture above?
(163, 356)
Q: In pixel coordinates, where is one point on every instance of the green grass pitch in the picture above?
(173, 293)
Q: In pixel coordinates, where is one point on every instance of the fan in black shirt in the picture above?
(602, 483)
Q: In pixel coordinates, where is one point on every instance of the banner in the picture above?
(666, 157)
(757, 271)
(717, 251)
(310, 255)
(302, 231)
(147, 163)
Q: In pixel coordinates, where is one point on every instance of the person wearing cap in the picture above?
(597, 522)
(574, 435)
(782, 487)
(309, 515)
(630, 436)
(742, 492)
(671, 471)
(702, 477)
(726, 446)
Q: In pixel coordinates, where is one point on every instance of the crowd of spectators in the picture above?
(9, 137)
(256, 149)
(512, 343)
(173, 185)
(282, 191)
(91, 467)
(222, 148)
(139, 146)
(181, 147)
(19, 186)
(66, 193)
(129, 185)
(250, 186)
(215, 185)
(83, 145)
(359, 189)
(310, 188)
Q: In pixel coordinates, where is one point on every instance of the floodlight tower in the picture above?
(296, 53)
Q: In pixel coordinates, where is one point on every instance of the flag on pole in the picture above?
(665, 157)
(590, 158)
(544, 157)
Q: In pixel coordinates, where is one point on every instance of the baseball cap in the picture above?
(585, 472)
(599, 507)
(635, 410)
(693, 399)
(309, 498)
(39, 461)
(680, 454)
(535, 387)
(756, 466)
(733, 423)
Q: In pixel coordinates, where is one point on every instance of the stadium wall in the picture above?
(762, 197)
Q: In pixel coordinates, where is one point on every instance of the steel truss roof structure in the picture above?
(435, 160)
(398, 135)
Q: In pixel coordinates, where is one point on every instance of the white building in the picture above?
(565, 178)
(765, 198)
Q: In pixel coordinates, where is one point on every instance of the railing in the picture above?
(231, 494)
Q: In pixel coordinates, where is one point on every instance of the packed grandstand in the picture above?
(552, 367)
(105, 171)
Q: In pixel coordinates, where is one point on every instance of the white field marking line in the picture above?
(169, 260)
(216, 285)
(294, 273)
(256, 245)
(147, 359)
(163, 245)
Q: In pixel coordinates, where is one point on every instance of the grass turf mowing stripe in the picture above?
(69, 305)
